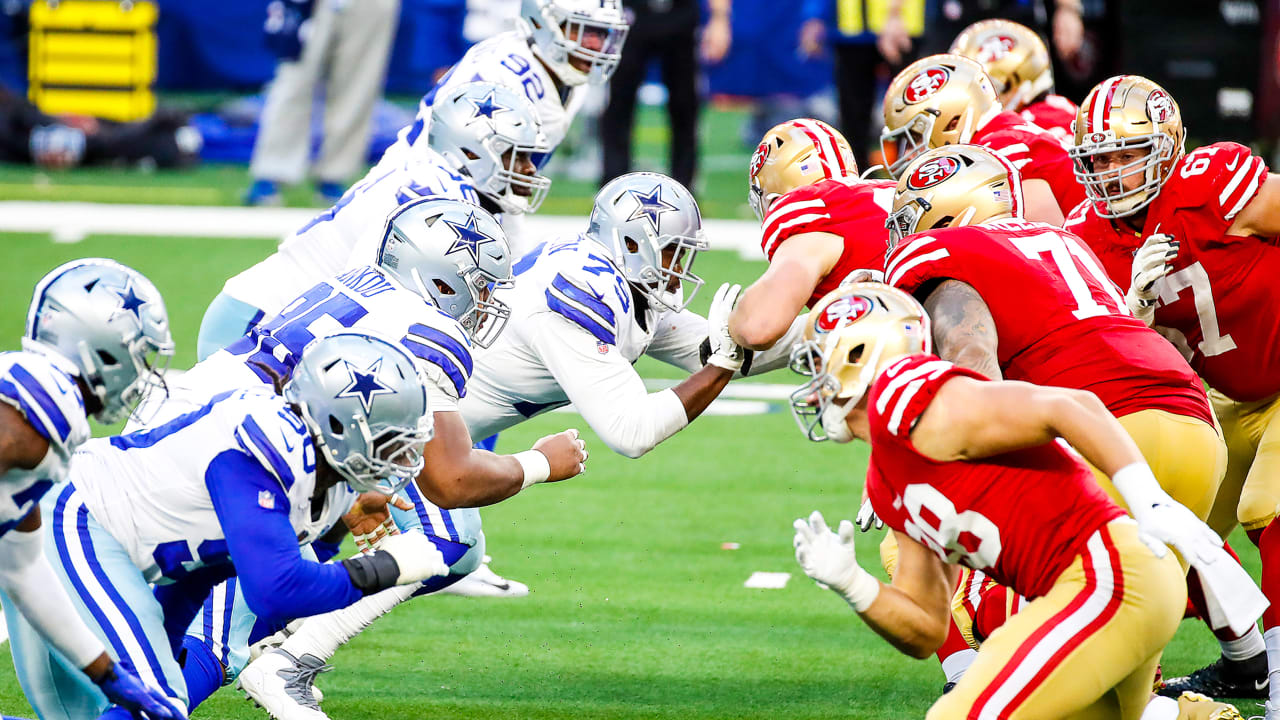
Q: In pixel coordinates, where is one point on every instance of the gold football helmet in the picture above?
(938, 100)
(953, 186)
(852, 334)
(1127, 112)
(1014, 57)
(794, 154)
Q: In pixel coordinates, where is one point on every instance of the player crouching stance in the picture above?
(972, 472)
(148, 522)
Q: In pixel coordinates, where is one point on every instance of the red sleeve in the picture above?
(1223, 176)
(800, 211)
(1039, 155)
(902, 393)
(927, 256)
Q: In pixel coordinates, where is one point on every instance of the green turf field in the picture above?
(635, 611)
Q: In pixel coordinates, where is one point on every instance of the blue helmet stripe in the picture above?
(445, 342)
(576, 316)
(51, 410)
(265, 450)
(441, 359)
(587, 299)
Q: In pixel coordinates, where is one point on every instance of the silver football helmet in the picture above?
(365, 405)
(455, 255)
(489, 131)
(110, 322)
(652, 226)
(589, 31)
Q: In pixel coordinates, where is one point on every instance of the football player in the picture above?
(1194, 239)
(584, 308)
(479, 151)
(948, 100)
(1027, 301)
(432, 289)
(820, 224)
(96, 334)
(971, 471)
(1017, 61)
(230, 489)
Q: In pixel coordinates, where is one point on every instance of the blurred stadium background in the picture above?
(638, 608)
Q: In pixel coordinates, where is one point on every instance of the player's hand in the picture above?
(829, 558)
(370, 516)
(863, 275)
(566, 454)
(122, 687)
(417, 557)
(1153, 261)
(371, 539)
(867, 517)
(1168, 522)
(725, 353)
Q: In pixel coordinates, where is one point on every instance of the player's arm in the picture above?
(277, 582)
(769, 307)
(1261, 217)
(912, 613)
(458, 475)
(609, 393)
(1041, 204)
(963, 330)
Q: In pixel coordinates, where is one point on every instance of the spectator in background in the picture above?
(862, 34)
(666, 30)
(345, 44)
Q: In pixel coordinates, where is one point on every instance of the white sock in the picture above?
(1272, 638)
(1243, 648)
(322, 635)
(956, 664)
(1161, 708)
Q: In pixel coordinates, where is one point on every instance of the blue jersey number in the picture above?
(277, 344)
(532, 83)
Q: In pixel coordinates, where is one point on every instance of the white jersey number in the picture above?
(967, 537)
(1193, 276)
(1069, 258)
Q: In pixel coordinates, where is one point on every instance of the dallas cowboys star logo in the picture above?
(650, 206)
(364, 384)
(469, 238)
(129, 301)
(486, 107)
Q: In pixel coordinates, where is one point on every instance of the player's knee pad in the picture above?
(1258, 506)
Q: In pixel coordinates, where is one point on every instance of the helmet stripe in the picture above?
(826, 134)
(824, 143)
(1015, 184)
(1105, 110)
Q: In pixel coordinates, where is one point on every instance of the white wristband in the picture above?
(862, 591)
(537, 468)
(1138, 486)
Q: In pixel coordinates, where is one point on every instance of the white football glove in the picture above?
(416, 556)
(1152, 262)
(725, 353)
(867, 517)
(829, 558)
(1161, 519)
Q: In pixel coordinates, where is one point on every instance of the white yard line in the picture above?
(70, 222)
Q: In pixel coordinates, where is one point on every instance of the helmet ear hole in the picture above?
(955, 122)
(855, 354)
(443, 288)
(943, 222)
(107, 358)
(632, 245)
(335, 426)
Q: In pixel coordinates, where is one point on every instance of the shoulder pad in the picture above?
(1225, 176)
(443, 350)
(277, 440)
(47, 397)
(901, 394)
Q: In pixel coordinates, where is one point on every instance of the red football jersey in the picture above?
(1059, 319)
(854, 209)
(1055, 114)
(1035, 152)
(1218, 302)
(1021, 517)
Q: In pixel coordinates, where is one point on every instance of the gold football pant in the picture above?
(1250, 491)
(1086, 650)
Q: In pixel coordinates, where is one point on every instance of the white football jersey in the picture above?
(347, 234)
(505, 59)
(362, 298)
(149, 488)
(574, 279)
(43, 389)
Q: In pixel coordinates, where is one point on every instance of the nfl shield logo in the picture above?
(266, 500)
(602, 347)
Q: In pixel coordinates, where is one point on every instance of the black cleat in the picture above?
(1223, 679)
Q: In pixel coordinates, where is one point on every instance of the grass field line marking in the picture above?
(72, 221)
(767, 580)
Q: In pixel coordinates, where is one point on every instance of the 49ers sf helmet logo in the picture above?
(1159, 106)
(843, 311)
(926, 83)
(995, 47)
(933, 172)
(757, 160)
